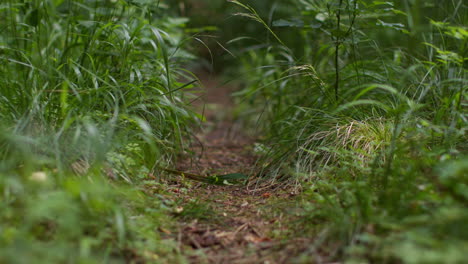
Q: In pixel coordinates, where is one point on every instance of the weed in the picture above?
(90, 95)
(362, 108)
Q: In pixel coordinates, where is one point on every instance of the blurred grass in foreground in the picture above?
(90, 101)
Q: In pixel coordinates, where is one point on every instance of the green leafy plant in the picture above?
(362, 108)
(90, 101)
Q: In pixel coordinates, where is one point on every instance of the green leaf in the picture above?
(34, 18)
(233, 176)
(339, 33)
(227, 179)
(288, 23)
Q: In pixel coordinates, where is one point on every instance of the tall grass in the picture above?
(89, 92)
(365, 109)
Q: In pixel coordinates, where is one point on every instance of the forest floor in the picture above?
(228, 224)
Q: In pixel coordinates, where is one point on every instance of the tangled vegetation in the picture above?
(90, 92)
(363, 103)
(359, 104)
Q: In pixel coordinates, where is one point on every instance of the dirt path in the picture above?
(223, 224)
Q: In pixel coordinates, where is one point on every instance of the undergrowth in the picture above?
(360, 104)
(363, 105)
(90, 101)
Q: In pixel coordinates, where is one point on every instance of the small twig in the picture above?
(239, 229)
(195, 243)
(186, 174)
(258, 233)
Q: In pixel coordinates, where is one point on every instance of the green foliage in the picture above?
(363, 103)
(90, 91)
(221, 35)
(74, 220)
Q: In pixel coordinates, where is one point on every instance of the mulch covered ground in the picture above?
(224, 224)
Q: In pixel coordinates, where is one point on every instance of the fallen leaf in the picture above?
(255, 239)
(165, 231)
(222, 234)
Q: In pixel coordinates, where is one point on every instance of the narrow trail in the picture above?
(223, 224)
